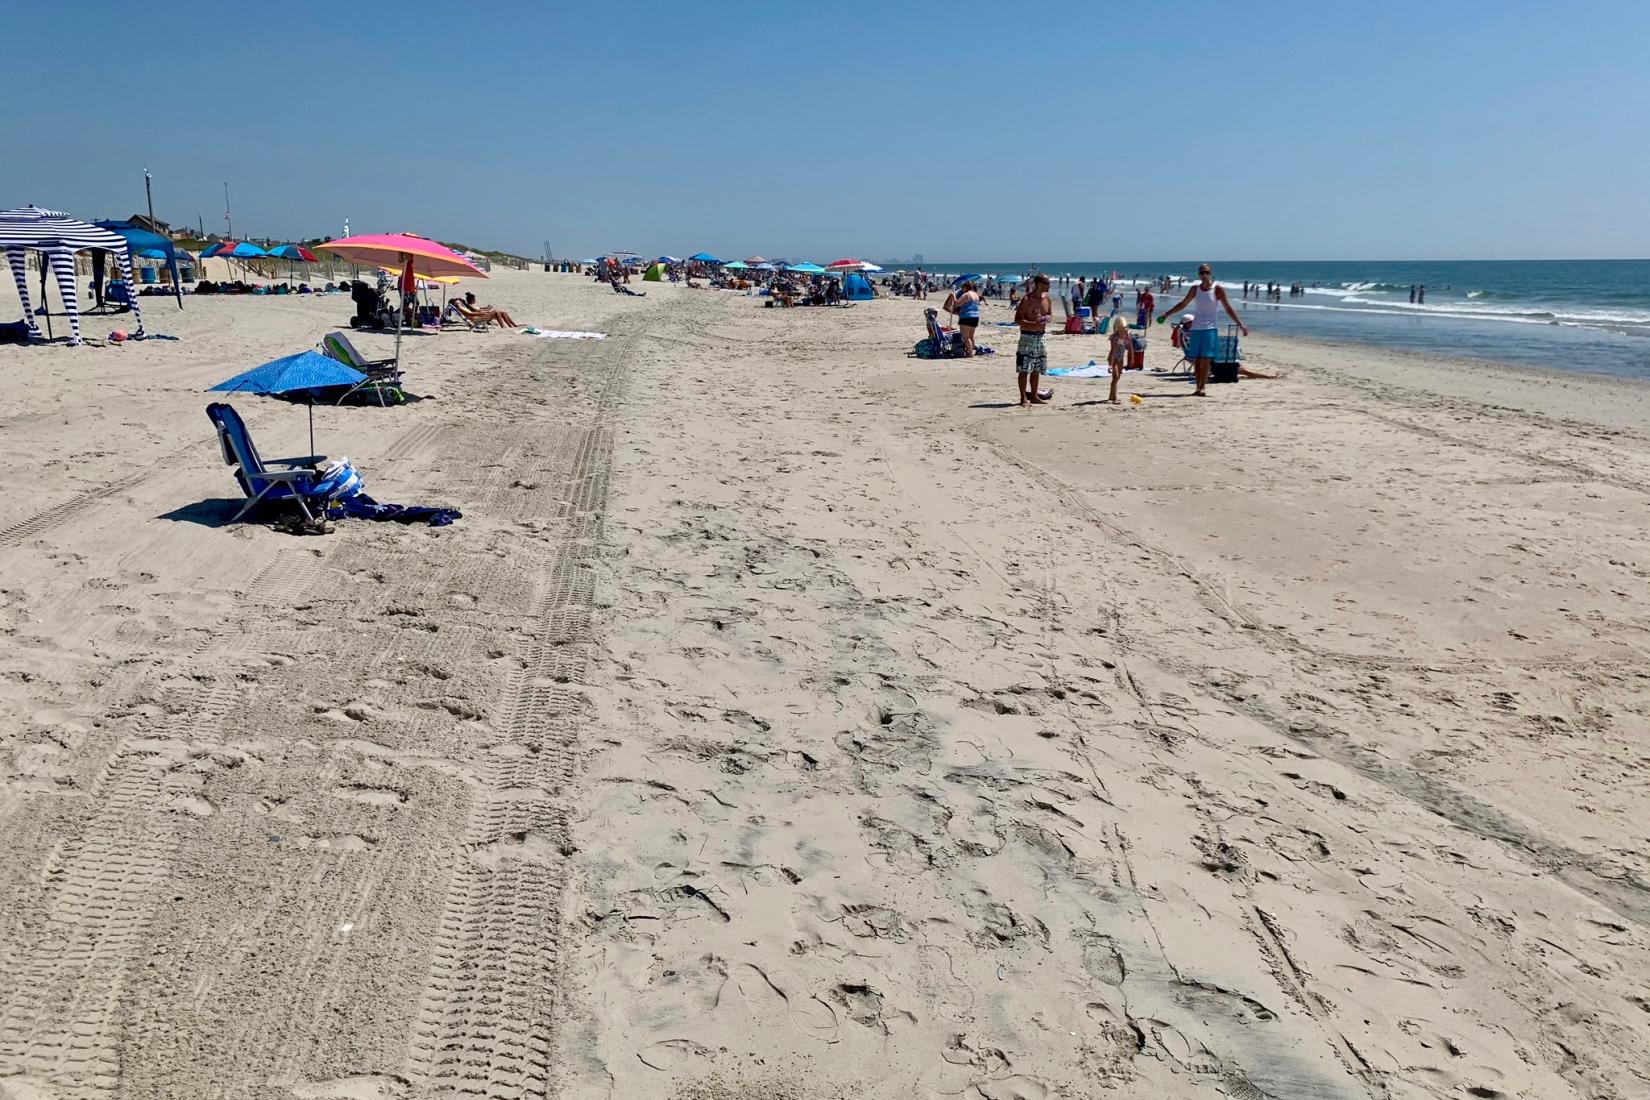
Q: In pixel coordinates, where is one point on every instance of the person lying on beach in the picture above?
(479, 314)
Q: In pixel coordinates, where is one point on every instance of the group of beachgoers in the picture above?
(1199, 330)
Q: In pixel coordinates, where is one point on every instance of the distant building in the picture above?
(916, 261)
(153, 225)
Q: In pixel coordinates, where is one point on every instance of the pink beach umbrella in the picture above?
(412, 255)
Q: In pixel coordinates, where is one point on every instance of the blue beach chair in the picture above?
(299, 482)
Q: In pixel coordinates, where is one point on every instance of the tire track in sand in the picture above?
(486, 1024)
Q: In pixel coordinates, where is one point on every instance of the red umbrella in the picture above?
(844, 265)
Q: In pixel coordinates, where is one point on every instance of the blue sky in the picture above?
(973, 132)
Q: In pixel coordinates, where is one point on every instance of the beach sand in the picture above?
(789, 718)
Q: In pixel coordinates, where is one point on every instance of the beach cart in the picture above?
(1225, 365)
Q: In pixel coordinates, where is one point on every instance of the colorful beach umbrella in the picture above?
(380, 249)
(737, 265)
(293, 252)
(806, 268)
(411, 255)
(845, 265)
(704, 258)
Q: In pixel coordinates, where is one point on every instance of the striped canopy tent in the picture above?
(57, 237)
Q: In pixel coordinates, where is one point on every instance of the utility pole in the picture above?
(149, 193)
(226, 216)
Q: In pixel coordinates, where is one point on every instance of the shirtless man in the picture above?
(1203, 339)
(1031, 356)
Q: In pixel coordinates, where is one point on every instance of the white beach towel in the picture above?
(560, 334)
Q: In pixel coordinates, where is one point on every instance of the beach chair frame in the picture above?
(252, 471)
(382, 374)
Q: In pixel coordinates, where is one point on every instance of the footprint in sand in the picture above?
(367, 1086)
(371, 796)
(671, 1054)
(767, 1001)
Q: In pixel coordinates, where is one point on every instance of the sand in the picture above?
(788, 718)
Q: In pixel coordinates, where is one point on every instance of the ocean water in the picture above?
(1588, 315)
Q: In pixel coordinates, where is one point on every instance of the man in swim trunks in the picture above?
(1031, 356)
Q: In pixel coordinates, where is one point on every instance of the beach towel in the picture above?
(361, 506)
(1091, 369)
(562, 334)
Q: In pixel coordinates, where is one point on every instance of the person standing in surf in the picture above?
(1202, 341)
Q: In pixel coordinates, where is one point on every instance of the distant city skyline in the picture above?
(1398, 131)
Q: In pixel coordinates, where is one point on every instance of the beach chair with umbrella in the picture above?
(300, 480)
(410, 256)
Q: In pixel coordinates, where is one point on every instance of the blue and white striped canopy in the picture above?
(53, 231)
(58, 237)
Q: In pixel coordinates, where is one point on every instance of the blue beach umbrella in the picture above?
(704, 258)
(307, 370)
(961, 279)
(806, 268)
(668, 260)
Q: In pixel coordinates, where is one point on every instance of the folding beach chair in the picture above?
(298, 482)
(383, 375)
(456, 314)
(1181, 330)
(942, 343)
